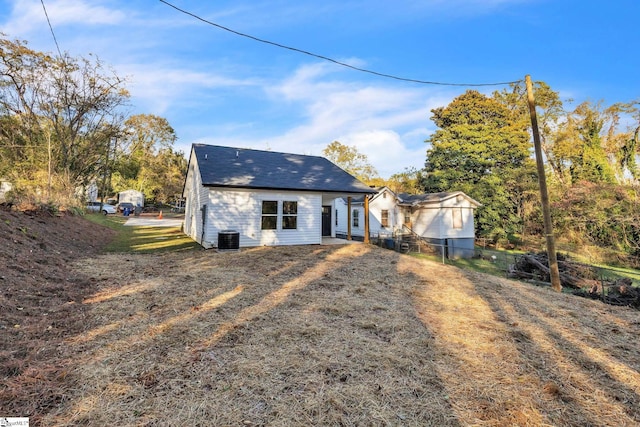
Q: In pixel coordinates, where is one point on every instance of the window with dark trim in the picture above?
(384, 218)
(356, 219)
(289, 215)
(336, 216)
(269, 214)
(407, 217)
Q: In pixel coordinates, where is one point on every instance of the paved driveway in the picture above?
(153, 222)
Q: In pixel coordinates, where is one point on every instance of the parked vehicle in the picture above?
(125, 205)
(95, 207)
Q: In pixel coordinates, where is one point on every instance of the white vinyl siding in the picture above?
(432, 220)
(355, 218)
(395, 216)
(241, 210)
(341, 216)
(384, 218)
(437, 222)
(196, 196)
(298, 217)
(381, 203)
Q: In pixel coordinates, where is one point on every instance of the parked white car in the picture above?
(106, 209)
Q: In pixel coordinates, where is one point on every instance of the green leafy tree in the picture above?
(600, 214)
(405, 182)
(147, 161)
(60, 114)
(588, 157)
(550, 114)
(481, 148)
(592, 160)
(589, 145)
(349, 159)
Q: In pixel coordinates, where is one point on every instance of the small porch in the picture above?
(330, 222)
(337, 241)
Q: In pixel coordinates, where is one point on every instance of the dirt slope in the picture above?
(39, 302)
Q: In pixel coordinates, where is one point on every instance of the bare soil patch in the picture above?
(41, 304)
(315, 335)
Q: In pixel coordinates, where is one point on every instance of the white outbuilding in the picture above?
(444, 219)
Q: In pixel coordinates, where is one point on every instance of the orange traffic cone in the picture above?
(160, 216)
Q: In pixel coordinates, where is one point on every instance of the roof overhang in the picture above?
(338, 193)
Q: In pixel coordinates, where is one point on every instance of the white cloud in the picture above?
(28, 15)
(387, 124)
(386, 150)
(204, 91)
(161, 87)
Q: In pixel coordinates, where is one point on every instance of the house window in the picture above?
(269, 214)
(457, 218)
(356, 219)
(289, 215)
(407, 217)
(336, 217)
(384, 218)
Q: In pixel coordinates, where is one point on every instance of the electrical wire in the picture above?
(51, 28)
(364, 70)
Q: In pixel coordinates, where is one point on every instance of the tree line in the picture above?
(482, 146)
(64, 128)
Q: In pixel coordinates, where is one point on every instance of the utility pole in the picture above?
(544, 195)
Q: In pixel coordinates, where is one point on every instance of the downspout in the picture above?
(366, 218)
(204, 222)
(349, 218)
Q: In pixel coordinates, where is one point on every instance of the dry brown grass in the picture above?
(339, 335)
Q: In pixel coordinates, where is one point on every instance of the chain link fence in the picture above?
(618, 286)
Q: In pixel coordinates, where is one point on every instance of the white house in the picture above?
(131, 196)
(266, 198)
(440, 218)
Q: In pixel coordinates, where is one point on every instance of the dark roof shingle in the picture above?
(246, 168)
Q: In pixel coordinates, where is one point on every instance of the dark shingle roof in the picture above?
(244, 168)
(425, 198)
(415, 199)
(406, 199)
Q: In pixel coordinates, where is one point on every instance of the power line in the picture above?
(51, 28)
(364, 70)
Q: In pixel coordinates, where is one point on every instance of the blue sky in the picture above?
(218, 88)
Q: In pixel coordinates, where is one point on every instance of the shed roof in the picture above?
(246, 168)
(417, 199)
(406, 199)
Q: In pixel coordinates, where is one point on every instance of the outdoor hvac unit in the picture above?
(228, 240)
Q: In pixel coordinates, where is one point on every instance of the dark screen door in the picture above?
(326, 220)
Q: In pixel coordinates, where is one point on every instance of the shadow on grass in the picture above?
(514, 354)
(494, 267)
(307, 335)
(143, 239)
(497, 263)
